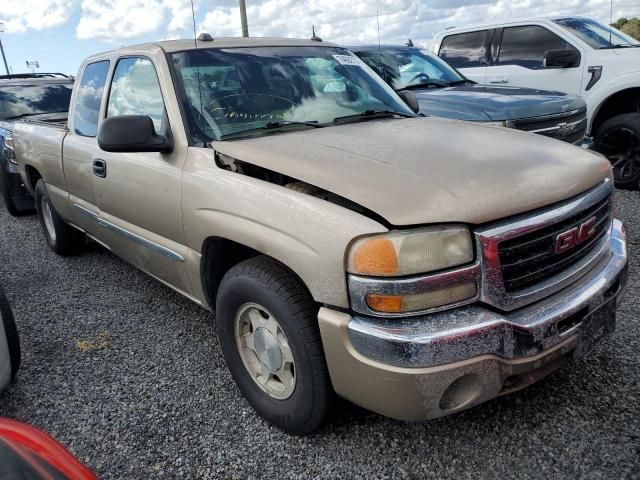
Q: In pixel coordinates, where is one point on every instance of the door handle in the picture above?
(99, 168)
(499, 80)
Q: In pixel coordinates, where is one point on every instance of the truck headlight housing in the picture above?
(8, 145)
(418, 302)
(413, 271)
(401, 253)
(502, 123)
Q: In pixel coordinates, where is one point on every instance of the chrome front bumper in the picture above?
(475, 330)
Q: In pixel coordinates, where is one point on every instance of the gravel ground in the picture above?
(129, 376)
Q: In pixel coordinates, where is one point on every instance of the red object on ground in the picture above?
(26, 449)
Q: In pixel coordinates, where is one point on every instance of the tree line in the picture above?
(630, 26)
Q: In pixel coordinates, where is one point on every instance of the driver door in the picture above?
(139, 194)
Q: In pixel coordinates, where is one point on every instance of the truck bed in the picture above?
(39, 144)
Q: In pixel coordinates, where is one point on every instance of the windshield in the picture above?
(595, 34)
(22, 100)
(229, 91)
(405, 67)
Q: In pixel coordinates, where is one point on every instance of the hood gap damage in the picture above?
(241, 167)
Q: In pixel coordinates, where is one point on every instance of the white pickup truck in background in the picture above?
(575, 55)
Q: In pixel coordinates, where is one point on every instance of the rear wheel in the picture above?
(268, 329)
(61, 237)
(11, 332)
(619, 140)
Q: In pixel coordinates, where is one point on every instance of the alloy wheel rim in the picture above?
(621, 146)
(48, 218)
(265, 351)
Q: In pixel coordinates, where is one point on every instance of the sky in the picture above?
(59, 34)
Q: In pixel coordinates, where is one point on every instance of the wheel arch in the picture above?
(32, 176)
(626, 100)
(219, 255)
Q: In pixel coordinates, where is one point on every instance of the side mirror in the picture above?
(563, 58)
(410, 99)
(132, 133)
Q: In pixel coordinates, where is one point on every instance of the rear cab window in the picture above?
(464, 50)
(34, 99)
(89, 98)
(526, 46)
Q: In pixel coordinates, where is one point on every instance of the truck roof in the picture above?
(36, 81)
(221, 42)
(509, 22)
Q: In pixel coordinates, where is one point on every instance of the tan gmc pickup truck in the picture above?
(414, 266)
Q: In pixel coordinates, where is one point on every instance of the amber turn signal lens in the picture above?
(376, 256)
(421, 301)
(385, 303)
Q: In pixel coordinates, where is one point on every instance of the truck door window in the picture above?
(464, 50)
(526, 46)
(135, 90)
(87, 111)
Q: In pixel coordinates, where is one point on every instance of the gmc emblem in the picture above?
(572, 238)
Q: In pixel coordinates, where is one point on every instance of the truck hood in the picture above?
(493, 103)
(428, 170)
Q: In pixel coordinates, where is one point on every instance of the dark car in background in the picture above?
(41, 96)
(444, 92)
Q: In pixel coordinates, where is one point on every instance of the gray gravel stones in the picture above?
(129, 376)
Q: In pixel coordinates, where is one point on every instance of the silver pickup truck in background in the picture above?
(414, 266)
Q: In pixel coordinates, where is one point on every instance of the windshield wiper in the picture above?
(31, 114)
(284, 123)
(620, 45)
(270, 126)
(371, 114)
(461, 82)
(426, 83)
(22, 115)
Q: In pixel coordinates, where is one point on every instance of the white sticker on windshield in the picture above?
(348, 60)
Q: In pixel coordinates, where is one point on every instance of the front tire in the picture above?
(268, 330)
(619, 140)
(11, 332)
(61, 237)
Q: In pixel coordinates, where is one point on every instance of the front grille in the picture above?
(552, 126)
(531, 258)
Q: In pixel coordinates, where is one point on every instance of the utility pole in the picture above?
(243, 19)
(4, 59)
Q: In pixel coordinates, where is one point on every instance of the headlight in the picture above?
(400, 253)
(8, 145)
(497, 124)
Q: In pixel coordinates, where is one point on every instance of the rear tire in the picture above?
(619, 140)
(298, 400)
(61, 237)
(11, 332)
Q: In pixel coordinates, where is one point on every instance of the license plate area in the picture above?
(596, 326)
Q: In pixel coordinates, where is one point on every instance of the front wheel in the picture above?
(61, 237)
(619, 140)
(268, 330)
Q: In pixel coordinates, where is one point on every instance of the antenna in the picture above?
(195, 44)
(313, 34)
(610, 22)
(380, 48)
